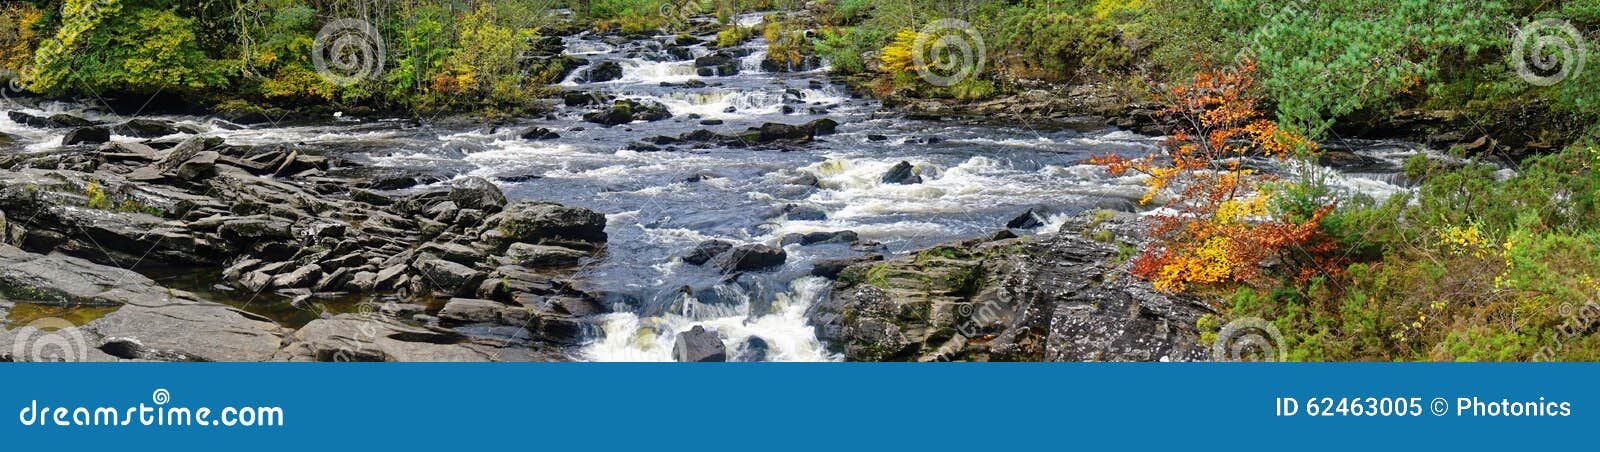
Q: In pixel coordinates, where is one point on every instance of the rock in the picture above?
(201, 166)
(812, 238)
(1056, 297)
(146, 128)
(150, 323)
(903, 174)
(536, 223)
(352, 337)
(752, 350)
(699, 346)
(449, 277)
(720, 64)
(877, 137)
(1033, 218)
(830, 268)
(750, 258)
(799, 212)
(477, 193)
(538, 133)
(627, 110)
(539, 256)
(303, 277)
(66, 120)
(580, 98)
(707, 250)
(464, 310)
(603, 71)
(87, 135)
(824, 126)
(30, 120)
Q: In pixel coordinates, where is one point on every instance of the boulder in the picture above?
(752, 350)
(830, 268)
(87, 135)
(477, 193)
(603, 71)
(536, 223)
(699, 345)
(449, 277)
(902, 173)
(706, 250)
(146, 128)
(750, 258)
(538, 133)
(1033, 218)
(1053, 297)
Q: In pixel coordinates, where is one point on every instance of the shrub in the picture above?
(1219, 227)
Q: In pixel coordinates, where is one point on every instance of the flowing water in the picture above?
(660, 204)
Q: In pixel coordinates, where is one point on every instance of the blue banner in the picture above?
(797, 406)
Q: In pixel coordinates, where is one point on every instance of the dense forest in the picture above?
(1493, 255)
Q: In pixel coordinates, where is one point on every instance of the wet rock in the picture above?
(830, 268)
(720, 64)
(801, 212)
(146, 128)
(66, 120)
(902, 173)
(169, 325)
(201, 166)
(477, 193)
(1057, 297)
(750, 258)
(535, 223)
(1033, 218)
(303, 277)
(538, 133)
(752, 350)
(582, 98)
(87, 135)
(539, 256)
(699, 346)
(627, 110)
(706, 250)
(30, 120)
(603, 71)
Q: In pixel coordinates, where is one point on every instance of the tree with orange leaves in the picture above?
(1217, 223)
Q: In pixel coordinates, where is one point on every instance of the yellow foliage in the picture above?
(1468, 240)
(897, 55)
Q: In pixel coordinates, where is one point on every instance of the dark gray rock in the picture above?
(1033, 218)
(750, 258)
(536, 223)
(146, 128)
(706, 250)
(699, 345)
(902, 173)
(466, 310)
(603, 71)
(87, 135)
(752, 350)
(449, 277)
